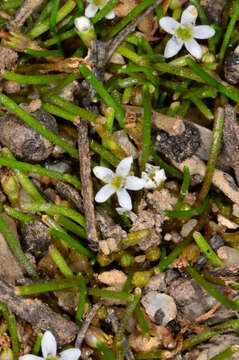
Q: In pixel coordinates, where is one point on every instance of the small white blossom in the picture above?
(94, 6)
(185, 33)
(153, 176)
(49, 347)
(85, 29)
(117, 183)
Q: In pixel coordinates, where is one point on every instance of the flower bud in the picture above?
(85, 30)
(209, 58)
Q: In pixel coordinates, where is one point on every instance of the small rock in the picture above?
(113, 278)
(161, 308)
(229, 256)
(187, 227)
(26, 143)
(232, 66)
(156, 283)
(123, 140)
(222, 220)
(36, 237)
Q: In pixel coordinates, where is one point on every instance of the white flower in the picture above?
(48, 348)
(117, 183)
(153, 176)
(184, 33)
(94, 6)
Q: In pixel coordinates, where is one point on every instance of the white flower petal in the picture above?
(91, 10)
(203, 32)
(124, 166)
(70, 354)
(173, 46)
(194, 48)
(82, 24)
(30, 357)
(48, 344)
(103, 173)
(110, 15)
(121, 210)
(104, 193)
(189, 15)
(124, 199)
(168, 24)
(134, 183)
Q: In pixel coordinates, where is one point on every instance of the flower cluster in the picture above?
(49, 347)
(185, 33)
(120, 181)
(94, 6)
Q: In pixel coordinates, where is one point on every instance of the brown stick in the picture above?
(38, 315)
(22, 14)
(87, 186)
(86, 324)
(113, 44)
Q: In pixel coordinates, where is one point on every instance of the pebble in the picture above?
(160, 307)
(229, 256)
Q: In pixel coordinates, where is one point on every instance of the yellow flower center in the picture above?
(184, 32)
(118, 182)
(99, 2)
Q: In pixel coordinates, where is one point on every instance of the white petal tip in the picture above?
(82, 24)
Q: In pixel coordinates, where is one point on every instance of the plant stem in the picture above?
(226, 354)
(82, 299)
(71, 242)
(187, 213)
(52, 209)
(184, 188)
(111, 294)
(211, 290)
(118, 340)
(45, 25)
(228, 33)
(60, 262)
(206, 249)
(213, 154)
(99, 88)
(12, 328)
(212, 82)
(129, 17)
(133, 238)
(16, 249)
(20, 167)
(32, 79)
(146, 143)
(41, 287)
(17, 214)
(33, 123)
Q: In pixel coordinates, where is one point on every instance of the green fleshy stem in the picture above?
(226, 354)
(213, 154)
(52, 209)
(184, 188)
(16, 249)
(75, 244)
(99, 88)
(34, 169)
(181, 214)
(118, 340)
(208, 79)
(33, 123)
(32, 79)
(146, 142)
(228, 33)
(17, 214)
(206, 249)
(60, 262)
(41, 287)
(12, 328)
(129, 17)
(45, 25)
(111, 294)
(230, 304)
(82, 299)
